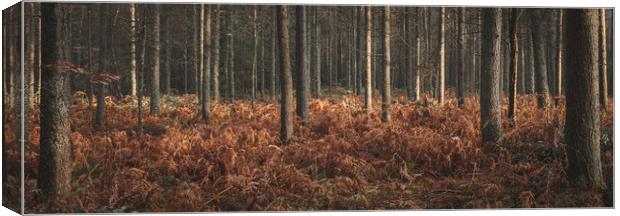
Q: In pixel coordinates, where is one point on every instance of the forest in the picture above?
(138, 107)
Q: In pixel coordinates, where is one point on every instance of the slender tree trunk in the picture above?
(603, 60)
(560, 49)
(514, 62)
(418, 59)
(542, 87)
(216, 55)
(55, 153)
(206, 68)
(132, 71)
(302, 69)
(316, 49)
(368, 97)
(387, 89)
(582, 116)
(286, 80)
(441, 83)
(255, 54)
(490, 94)
(461, 59)
(272, 85)
(154, 103)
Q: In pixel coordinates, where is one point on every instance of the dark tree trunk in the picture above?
(460, 92)
(514, 62)
(490, 94)
(55, 151)
(302, 69)
(286, 80)
(582, 116)
(206, 68)
(216, 55)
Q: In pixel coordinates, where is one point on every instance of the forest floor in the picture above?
(429, 157)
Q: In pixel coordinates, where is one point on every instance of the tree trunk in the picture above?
(560, 49)
(460, 92)
(154, 103)
(542, 87)
(206, 68)
(418, 59)
(368, 97)
(255, 55)
(132, 71)
(603, 60)
(55, 153)
(490, 94)
(216, 55)
(441, 81)
(582, 116)
(301, 60)
(514, 62)
(387, 89)
(316, 49)
(286, 80)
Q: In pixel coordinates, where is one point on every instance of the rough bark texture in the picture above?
(540, 62)
(154, 103)
(286, 79)
(301, 67)
(55, 152)
(387, 89)
(490, 93)
(582, 116)
(603, 60)
(368, 96)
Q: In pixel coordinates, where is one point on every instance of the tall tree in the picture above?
(542, 87)
(387, 89)
(154, 103)
(418, 57)
(460, 92)
(286, 79)
(441, 80)
(603, 59)
(582, 116)
(55, 151)
(490, 94)
(216, 55)
(559, 61)
(316, 50)
(132, 38)
(301, 60)
(255, 54)
(514, 61)
(205, 68)
(368, 97)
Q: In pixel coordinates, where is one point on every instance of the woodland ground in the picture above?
(429, 157)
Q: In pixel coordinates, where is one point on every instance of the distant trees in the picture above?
(490, 94)
(582, 105)
(55, 148)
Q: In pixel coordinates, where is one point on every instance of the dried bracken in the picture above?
(427, 157)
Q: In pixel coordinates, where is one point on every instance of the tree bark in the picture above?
(154, 103)
(302, 69)
(441, 80)
(387, 89)
(216, 55)
(542, 87)
(132, 70)
(460, 92)
(582, 116)
(559, 60)
(206, 76)
(286, 80)
(255, 55)
(603, 60)
(514, 62)
(490, 94)
(368, 97)
(55, 153)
